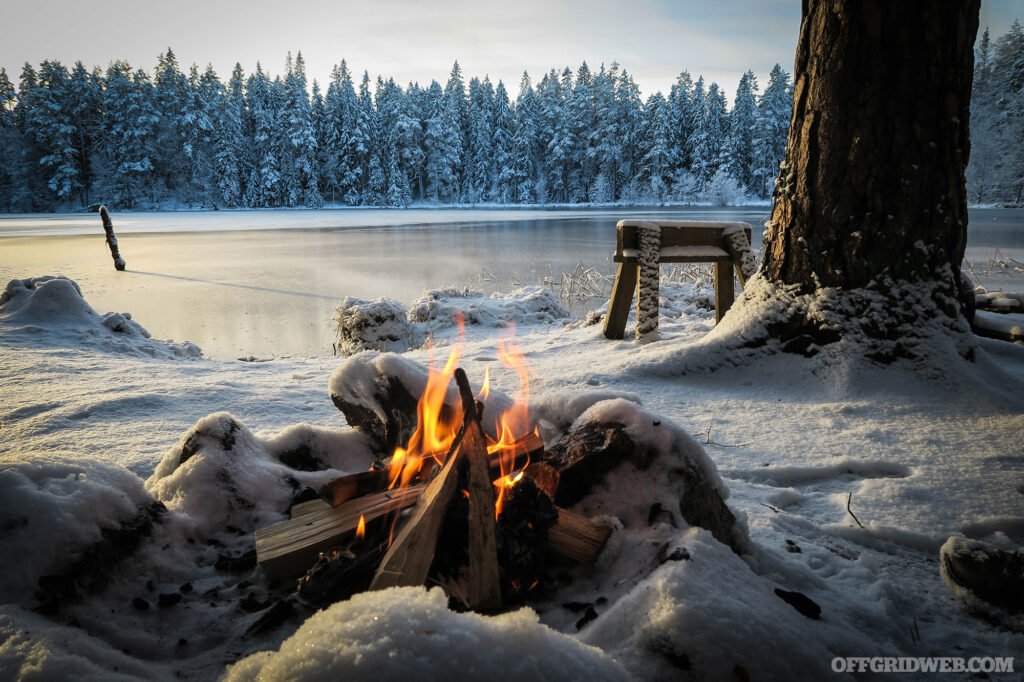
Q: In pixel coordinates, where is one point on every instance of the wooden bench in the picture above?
(727, 245)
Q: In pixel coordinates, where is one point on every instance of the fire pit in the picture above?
(466, 493)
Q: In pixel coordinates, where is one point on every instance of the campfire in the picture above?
(451, 505)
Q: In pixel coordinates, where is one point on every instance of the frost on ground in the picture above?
(96, 437)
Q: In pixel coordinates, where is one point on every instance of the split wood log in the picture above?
(529, 448)
(108, 228)
(577, 537)
(309, 507)
(408, 560)
(483, 589)
(290, 547)
(544, 476)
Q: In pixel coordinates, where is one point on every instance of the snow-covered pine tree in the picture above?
(441, 146)
(629, 125)
(655, 171)
(774, 110)
(708, 133)
(301, 172)
(681, 110)
(54, 133)
(503, 190)
(318, 114)
(10, 143)
(171, 164)
(738, 150)
(262, 185)
(523, 162)
(229, 149)
(363, 140)
(129, 136)
(480, 164)
(31, 185)
(84, 108)
(560, 150)
(198, 133)
(605, 150)
(458, 105)
(580, 117)
(1008, 65)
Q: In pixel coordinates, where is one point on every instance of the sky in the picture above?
(418, 40)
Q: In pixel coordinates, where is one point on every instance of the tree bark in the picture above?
(872, 189)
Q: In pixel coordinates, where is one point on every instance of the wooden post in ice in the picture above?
(650, 271)
(108, 227)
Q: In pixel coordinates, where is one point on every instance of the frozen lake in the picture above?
(266, 282)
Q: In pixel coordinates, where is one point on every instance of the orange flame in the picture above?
(361, 528)
(437, 425)
(435, 431)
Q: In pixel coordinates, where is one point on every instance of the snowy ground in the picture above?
(90, 407)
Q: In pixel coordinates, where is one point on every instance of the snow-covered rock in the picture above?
(221, 474)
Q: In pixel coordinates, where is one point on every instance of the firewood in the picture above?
(309, 507)
(340, 490)
(408, 560)
(577, 537)
(483, 589)
(290, 547)
(529, 448)
(544, 477)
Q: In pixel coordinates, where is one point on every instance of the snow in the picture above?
(99, 424)
(408, 633)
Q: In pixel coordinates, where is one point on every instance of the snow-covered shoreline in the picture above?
(794, 439)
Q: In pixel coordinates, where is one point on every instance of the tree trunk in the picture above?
(872, 189)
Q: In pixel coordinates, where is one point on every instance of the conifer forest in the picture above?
(175, 139)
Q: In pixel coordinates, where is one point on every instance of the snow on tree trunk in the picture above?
(647, 297)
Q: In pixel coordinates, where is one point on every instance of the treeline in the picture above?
(120, 136)
(996, 171)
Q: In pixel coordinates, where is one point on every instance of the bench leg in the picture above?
(622, 299)
(723, 290)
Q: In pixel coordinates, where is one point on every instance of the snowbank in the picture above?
(220, 474)
(50, 310)
(51, 508)
(408, 633)
(704, 611)
(386, 325)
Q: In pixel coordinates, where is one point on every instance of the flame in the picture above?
(437, 426)
(435, 431)
(485, 390)
(361, 528)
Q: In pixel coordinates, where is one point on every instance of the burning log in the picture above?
(409, 558)
(529, 448)
(290, 547)
(483, 590)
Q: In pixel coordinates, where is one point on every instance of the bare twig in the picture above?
(849, 498)
(770, 507)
